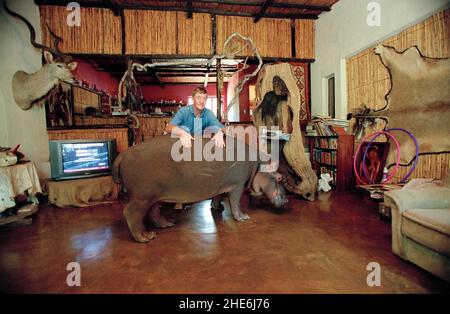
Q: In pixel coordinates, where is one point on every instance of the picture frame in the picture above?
(59, 107)
(374, 162)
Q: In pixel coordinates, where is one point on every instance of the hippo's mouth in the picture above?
(254, 194)
(280, 198)
(279, 201)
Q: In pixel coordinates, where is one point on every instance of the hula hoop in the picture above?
(417, 151)
(359, 148)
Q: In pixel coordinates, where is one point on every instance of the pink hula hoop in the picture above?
(397, 164)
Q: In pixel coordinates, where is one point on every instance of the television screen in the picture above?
(79, 157)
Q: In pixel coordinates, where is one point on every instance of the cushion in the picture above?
(429, 227)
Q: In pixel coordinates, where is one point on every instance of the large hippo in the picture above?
(150, 175)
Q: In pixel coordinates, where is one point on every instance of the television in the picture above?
(74, 159)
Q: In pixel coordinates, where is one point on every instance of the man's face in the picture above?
(200, 101)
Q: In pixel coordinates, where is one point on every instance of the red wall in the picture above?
(244, 97)
(179, 92)
(101, 79)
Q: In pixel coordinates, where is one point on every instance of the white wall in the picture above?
(17, 126)
(343, 32)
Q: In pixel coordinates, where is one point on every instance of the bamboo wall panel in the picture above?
(152, 126)
(194, 35)
(99, 32)
(304, 39)
(120, 134)
(272, 37)
(368, 80)
(428, 166)
(150, 32)
(83, 98)
(86, 121)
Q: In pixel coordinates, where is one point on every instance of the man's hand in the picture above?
(218, 139)
(185, 139)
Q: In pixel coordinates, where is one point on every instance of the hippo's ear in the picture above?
(278, 176)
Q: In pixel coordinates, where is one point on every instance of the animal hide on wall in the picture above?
(419, 100)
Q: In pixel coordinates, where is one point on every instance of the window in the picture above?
(211, 103)
(331, 98)
(252, 98)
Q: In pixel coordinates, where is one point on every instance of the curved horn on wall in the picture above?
(293, 150)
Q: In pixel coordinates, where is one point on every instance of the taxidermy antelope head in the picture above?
(28, 88)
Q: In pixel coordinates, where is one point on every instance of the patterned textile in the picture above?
(17, 180)
(301, 75)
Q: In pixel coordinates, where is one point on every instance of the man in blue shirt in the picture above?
(196, 119)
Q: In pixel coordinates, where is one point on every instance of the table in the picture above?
(16, 180)
(376, 193)
(82, 192)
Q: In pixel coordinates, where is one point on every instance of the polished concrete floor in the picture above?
(318, 247)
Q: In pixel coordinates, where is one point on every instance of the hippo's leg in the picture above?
(216, 203)
(158, 220)
(235, 204)
(134, 213)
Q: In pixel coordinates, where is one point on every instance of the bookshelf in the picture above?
(333, 154)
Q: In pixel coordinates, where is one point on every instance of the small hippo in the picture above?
(150, 175)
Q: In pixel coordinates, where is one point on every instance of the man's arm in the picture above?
(175, 127)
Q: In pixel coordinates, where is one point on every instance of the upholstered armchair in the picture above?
(421, 225)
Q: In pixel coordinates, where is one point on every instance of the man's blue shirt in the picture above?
(185, 119)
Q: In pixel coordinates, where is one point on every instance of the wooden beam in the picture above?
(300, 6)
(157, 77)
(112, 6)
(293, 50)
(219, 93)
(264, 7)
(122, 27)
(246, 3)
(282, 5)
(213, 34)
(182, 9)
(189, 9)
(172, 57)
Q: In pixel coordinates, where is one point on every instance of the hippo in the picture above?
(150, 175)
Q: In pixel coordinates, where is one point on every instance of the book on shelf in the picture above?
(325, 157)
(326, 126)
(328, 143)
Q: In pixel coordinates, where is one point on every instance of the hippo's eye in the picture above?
(59, 66)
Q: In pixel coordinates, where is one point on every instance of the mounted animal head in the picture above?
(28, 88)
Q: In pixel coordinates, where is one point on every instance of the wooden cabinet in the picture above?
(333, 155)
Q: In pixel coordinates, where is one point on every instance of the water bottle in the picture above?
(385, 175)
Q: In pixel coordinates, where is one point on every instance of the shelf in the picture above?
(325, 165)
(322, 136)
(326, 149)
(88, 89)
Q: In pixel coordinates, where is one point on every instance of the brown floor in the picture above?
(319, 247)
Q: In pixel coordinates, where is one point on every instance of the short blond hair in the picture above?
(199, 90)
